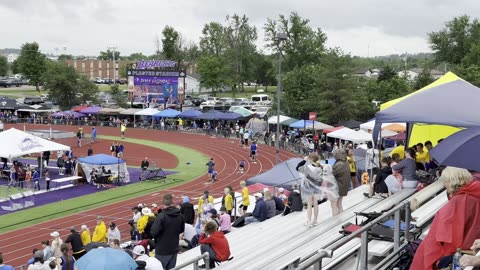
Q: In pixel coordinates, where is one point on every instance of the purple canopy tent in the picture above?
(68, 114)
(91, 110)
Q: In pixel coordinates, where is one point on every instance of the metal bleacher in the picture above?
(274, 243)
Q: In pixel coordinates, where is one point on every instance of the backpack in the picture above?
(406, 258)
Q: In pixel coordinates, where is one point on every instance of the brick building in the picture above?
(93, 68)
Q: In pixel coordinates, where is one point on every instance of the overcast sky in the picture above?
(85, 27)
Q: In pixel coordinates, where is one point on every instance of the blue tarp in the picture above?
(211, 115)
(190, 114)
(100, 159)
(167, 113)
(281, 175)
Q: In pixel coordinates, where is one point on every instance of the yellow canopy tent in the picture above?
(426, 132)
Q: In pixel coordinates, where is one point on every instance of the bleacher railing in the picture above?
(195, 262)
(400, 242)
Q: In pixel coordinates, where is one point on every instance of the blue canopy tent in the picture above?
(231, 116)
(167, 113)
(113, 164)
(190, 114)
(211, 115)
(281, 175)
(309, 124)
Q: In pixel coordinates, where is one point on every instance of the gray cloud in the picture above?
(88, 26)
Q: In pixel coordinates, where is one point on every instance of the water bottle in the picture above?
(456, 260)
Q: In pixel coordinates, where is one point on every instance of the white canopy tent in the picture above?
(358, 136)
(15, 143)
(339, 133)
(147, 112)
(273, 119)
(368, 127)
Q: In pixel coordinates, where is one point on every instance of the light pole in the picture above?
(279, 37)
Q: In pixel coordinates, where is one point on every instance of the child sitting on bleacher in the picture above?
(215, 244)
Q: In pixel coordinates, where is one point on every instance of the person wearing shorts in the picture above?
(241, 166)
(210, 164)
(253, 151)
(245, 198)
(353, 168)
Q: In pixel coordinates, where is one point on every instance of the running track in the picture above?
(17, 246)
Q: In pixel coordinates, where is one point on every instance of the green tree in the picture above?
(212, 71)
(423, 79)
(172, 44)
(264, 70)
(14, 67)
(384, 90)
(304, 45)
(61, 82)
(191, 54)
(108, 55)
(118, 96)
(32, 63)
(3, 65)
(240, 38)
(87, 90)
(455, 41)
(387, 74)
(471, 73)
(63, 57)
(136, 57)
(213, 39)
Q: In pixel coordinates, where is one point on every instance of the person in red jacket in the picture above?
(215, 243)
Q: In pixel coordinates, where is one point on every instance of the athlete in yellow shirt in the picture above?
(400, 150)
(245, 198)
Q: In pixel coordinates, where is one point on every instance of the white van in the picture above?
(261, 99)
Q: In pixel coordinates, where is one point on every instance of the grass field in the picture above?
(51, 211)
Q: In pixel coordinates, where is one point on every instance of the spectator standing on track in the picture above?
(210, 164)
(4, 266)
(187, 210)
(79, 138)
(144, 165)
(112, 149)
(113, 232)
(85, 235)
(246, 135)
(94, 134)
(121, 149)
(123, 128)
(90, 151)
(166, 229)
(75, 240)
(100, 233)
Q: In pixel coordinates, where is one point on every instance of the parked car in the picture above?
(197, 101)
(226, 100)
(262, 111)
(209, 102)
(4, 83)
(99, 81)
(44, 97)
(261, 99)
(15, 82)
(32, 100)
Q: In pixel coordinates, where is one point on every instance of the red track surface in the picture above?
(16, 246)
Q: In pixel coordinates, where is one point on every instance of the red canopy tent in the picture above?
(79, 108)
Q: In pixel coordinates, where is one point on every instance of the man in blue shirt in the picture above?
(253, 151)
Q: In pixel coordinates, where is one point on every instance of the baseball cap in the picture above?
(186, 199)
(138, 250)
(281, 190)
(258, 194)
(84, 227)
(113, 225)
(55, 234)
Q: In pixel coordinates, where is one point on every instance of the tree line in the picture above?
(314, 77)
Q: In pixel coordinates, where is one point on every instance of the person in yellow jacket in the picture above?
(85, 235)
(123, 128)
(202, 199)
(245, 198)
(143, 220)
(228, 201)
(100, 233)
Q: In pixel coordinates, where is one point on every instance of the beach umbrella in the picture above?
(106, 259)
(459, 149)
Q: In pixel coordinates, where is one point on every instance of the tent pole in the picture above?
(408, 134)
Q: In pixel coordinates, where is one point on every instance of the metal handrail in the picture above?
(315, 258)
(205, 256)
